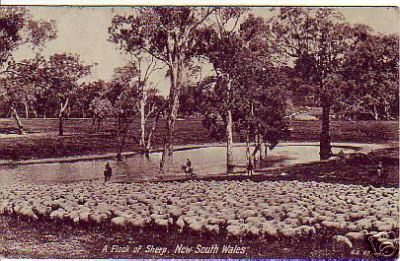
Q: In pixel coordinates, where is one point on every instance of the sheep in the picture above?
(255, 231)
(209, 205)
(196, 227)
(180, 223)
(385, 227)
(164, 223)
(330, 224)
(119, 221)
(74, 216)
(212, 229)
(139, 222)
(237, 231)
(58, 214)
(343, 240)
(215, 221)
(99, 217)
(268, 228)
(357, 236)
(305, 230)
(365, 223)
(28, 212)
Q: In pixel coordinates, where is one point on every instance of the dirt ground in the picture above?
(22, 239)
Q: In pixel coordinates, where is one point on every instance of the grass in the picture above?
(80, 137)
(44, 240)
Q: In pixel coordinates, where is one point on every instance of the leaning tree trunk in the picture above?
(168, 149)
(21, 130)
(61, 117)
(325, 138)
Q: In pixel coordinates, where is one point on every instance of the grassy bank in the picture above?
(80, 137)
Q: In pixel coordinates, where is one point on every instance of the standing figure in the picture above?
(107, 172)
(250, 168)
(188, 168)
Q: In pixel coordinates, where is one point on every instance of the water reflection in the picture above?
(210, 160)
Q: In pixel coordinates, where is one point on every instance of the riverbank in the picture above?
(80, 138)
(356, 169)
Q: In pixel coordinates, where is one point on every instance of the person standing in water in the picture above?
(188, 168)
(107, 172)
(250, 168)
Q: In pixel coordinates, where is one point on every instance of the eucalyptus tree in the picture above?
(136, 75)
(169, 35)
(22, 87)
(18, 28)
(371, 73)
(62, 74)
(220, 44)
(316, 41)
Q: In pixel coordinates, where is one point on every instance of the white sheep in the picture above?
(357, 236)
(196, 227)
(119, 221)
(164, 223)
(237, 231)
(305, 230)
(180, 223)
(343, 240)
(212, 229)
(268, 228)
(28, 212)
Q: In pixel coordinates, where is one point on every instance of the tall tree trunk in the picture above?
(229, 142)
(60, 124)
(325, 138)
(248, 157)
(153, 128)
(168, 149)
(375, 113)
(98, 125)
(35, 113)
(229, 132)
(26, 106)
(21, 130)
(142, 122)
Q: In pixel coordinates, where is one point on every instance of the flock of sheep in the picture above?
(245, 209)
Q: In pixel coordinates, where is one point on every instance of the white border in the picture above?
(206, 2)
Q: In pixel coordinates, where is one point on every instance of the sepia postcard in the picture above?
(213, 132)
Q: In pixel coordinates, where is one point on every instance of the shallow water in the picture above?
(208, 160)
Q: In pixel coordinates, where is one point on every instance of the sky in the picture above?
(84, 31)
